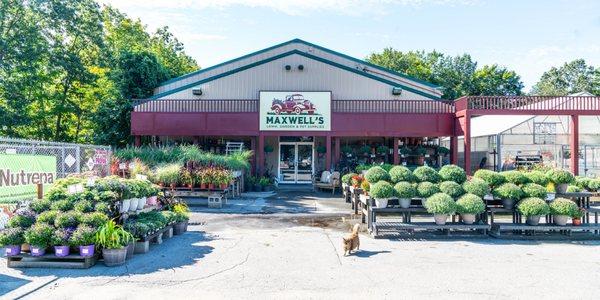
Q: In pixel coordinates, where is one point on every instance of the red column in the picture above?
(336, 151)
(454, 150)
(467, 142)
(328, 152)
(574, 143)
(395, 154)
(260, 157)
(138, 141)
(253, 159)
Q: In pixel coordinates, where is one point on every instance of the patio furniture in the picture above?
(328, 181)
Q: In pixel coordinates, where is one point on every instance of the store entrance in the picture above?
(296, 162)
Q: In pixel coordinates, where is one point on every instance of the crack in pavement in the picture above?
(334, 249)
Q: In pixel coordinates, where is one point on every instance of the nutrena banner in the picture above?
(295, 111)
(20, 174)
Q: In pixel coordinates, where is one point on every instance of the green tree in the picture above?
(572, 77)
(495, 80)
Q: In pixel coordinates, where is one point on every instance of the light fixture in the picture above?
(300, 67)
(396, 91)
(288, 67)
(197, 92)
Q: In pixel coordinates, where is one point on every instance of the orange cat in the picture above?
(352, 241)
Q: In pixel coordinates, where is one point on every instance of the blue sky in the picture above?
(526, 36)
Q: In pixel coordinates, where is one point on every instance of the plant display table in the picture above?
(550, 231)
(25, 260)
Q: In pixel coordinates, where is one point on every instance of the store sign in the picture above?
(295, 111)
(20, 174)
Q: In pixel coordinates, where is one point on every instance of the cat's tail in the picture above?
(355, 228)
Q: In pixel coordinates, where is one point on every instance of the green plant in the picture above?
(268, 149)
(492, 178)
(427, 189)
(476, 186)
(365, 149)
(387, 167)
(56, 193)
(112, 236)
(533, 207)
(103, 208)
(453, 173)
(40, 205)
(383, 150)
(560, 176)
(376, 174)
(470, 204)
(321, 149)
(60, 237)
(382, 190)
(83, 206)
(564, 207)
(264, 181)
(451, 188)
(69, 219)
(138, 229)
(574, 189)
(47, 217)
(39, 235)
(94, 219)
(583, 182)
(405, 150)
(508, 191)
(537, 177)
(365, 185)
(420, 150)
(347, 178)
(182, 212)
(405, 190)
(594, 185)
(11, 236)
(168, 174)
(346, 149)
(534, 190)
(579, 213)
(21, 221)
(515, 177)
(440, 203)
(360, 168)
(62, 205)
(401, 173)
(425, 173)
(170, 216)
(443, 150)
(83, 236)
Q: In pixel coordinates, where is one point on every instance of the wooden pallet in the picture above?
(25, 260)
(386, 227)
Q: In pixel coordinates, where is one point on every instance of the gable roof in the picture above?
(388, 76)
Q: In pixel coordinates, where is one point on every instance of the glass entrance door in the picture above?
(296, 162)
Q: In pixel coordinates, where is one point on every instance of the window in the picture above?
(544, 133)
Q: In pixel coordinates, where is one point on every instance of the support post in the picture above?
(454, 150)
(336, 152)
(395, 154)
(499, 152)
(328, 153)
(138, 140)
(467, 143)
(574, 143)
(260, 157)
(253, 159)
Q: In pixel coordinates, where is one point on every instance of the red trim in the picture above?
(574, 143)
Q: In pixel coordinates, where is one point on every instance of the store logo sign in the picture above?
(295, 111)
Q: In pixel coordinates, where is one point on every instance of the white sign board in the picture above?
(295, 111)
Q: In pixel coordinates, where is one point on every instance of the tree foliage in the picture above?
(572, 77)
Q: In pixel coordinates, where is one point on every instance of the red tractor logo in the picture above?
(293, 104)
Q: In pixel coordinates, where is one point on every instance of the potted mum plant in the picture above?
(534, 190)
(383, 150)
(533, 209)
(12, 239)
(61, 242)
(493, 179)
(561, 179)
(84, 237)
(468, 206)
(39, 237)
(347, 180)
(376, 174)
(381, 191)
(562, 210)
(401, 173)
(453, 173)
(181, 218)
(425, 173)
(452, 189)
(477, 187)
(509, 193)
(113, 239)
(426, 189)
(514, 176)
(441, 206)
(405, 191)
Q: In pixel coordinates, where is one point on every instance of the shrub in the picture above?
(347, 179)
(169, 215)
(453, 173)
(560, 176)
(376, 174)
(534, 190)
(494, 179)
(56, 193)
(564, 207)
(405, 190)
(39, 235)
(168, 174)
(83, 236)
(61, 237)
(440, 203)
(477, 186)
(83, 206)
(62, 205)
(69, 219)
(382, 190)
(387, 167)
(583, 182)
(40, 205)
(21, 221)
(594, 185)
(182, 212)
(425, 173)
(95, 219)
(533, 207)
(102, 207)
(574, 189)
(508, 191)
(401, 173)
(470, 204)
(108, 196)
(47, 217)
(11, 236)
(515, 177)
(360, 168)
(451, 188)
(427, 189)
(537, 177)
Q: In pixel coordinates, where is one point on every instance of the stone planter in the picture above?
(61, 251)
(86, 251)
(141, 247)
(12, 250)
(134, 204)
(404, 202)
(561, 188)
(381, 202)
(508, 203)
(561, 220)
(180, 228)
(125, 205)
(114, 257)
(130, 248)
(468, 218)
(38, 251)
(440, 219)
(141, 203)
(533, 220)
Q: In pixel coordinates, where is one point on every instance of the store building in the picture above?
(304, 108)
